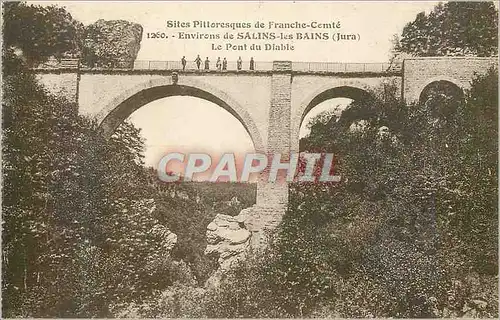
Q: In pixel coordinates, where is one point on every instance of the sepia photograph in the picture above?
(258, 159)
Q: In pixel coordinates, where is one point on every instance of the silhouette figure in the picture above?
(239, 63)
(198, 61)
(183, 61)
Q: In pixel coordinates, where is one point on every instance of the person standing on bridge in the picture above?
(218, 64)
(224, 64)
(207, 64)
(252, 64)
(183, 61)
(239, 63)
(198, 61)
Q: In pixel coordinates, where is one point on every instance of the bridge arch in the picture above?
(352, 90)
(344, 91)
(122, 106)
(448, 82)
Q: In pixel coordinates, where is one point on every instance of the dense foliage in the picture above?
(453, 28)
(410, 232)
(40, 32)
(72, 222)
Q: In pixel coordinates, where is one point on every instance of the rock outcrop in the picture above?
(230, 238)
(113, 43)
(227, 238)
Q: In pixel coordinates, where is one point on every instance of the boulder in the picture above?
(243, 215)
(225, 229)
(212, 226)
(223, 220)
(112, 43)
(229, 238)
(237, 236)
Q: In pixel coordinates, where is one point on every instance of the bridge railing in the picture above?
(53, 63)
(266, 66)
(191, 65)
(344, 67)
(335, 67)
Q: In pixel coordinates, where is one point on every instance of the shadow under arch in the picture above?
(351, 92)
(121, 107)
(441, 86)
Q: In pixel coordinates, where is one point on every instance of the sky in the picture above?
(193, 124)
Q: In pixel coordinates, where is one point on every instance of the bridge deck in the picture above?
(260, 66)
(334, 67)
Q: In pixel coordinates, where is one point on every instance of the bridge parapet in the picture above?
(337, 67)
(266, 66)
(282, 65)
(312, 67)
(191, 65)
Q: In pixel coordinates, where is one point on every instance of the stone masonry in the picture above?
(420, 72)
(270, 104)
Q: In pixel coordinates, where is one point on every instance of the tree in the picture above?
(452, 29)
(80, 234)
(40, 32)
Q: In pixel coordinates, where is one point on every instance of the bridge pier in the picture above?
(278, 142)
(272, 197)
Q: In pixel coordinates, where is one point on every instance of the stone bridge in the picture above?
(270, 101)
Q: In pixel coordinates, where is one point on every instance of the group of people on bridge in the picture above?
(219, 65)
